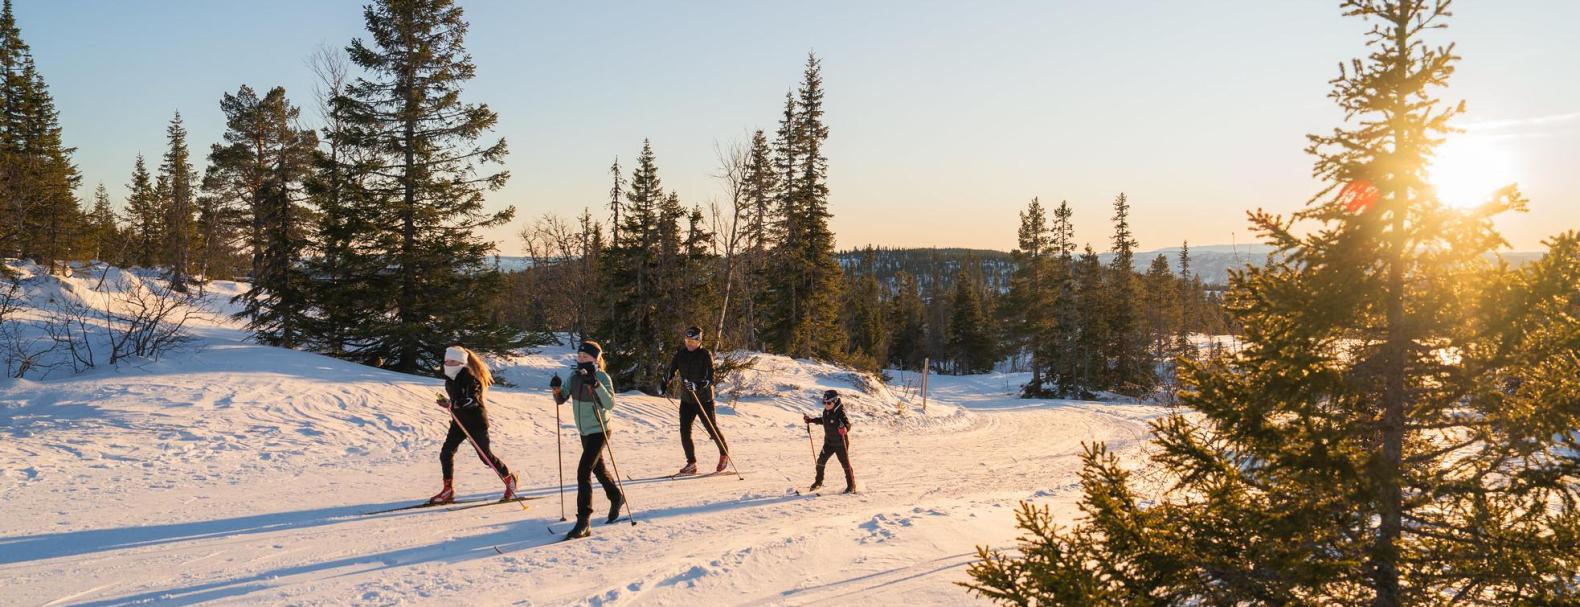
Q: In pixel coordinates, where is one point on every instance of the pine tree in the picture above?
(258, 173)
(177, 175)
(1397, 428)
(421, 166)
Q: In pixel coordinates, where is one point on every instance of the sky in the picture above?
(946, 118)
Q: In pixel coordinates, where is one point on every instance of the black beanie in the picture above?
(591, 348)
(694, 333)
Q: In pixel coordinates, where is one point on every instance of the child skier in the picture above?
(836, 439)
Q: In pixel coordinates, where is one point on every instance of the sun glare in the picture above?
(1466, 171)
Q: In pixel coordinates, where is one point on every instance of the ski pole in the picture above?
(603, 423)
(810, 447)
(479, 450)
(559, 449)
(717, 437)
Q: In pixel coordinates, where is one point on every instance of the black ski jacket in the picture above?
(464, 391)
(695, 366)
(832, 421)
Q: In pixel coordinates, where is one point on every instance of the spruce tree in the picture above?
(1160, 297)
(1130, 370)
(1397, 427)
(633, 332)
(38, 207)
(971, 335)
(908, 318)
(759, 187)
(1091, 298)
(177, 175)
(803, 291)
(1028, 305)
(1060, 348)
(866, 321)
(424, 169)
(103, 234)
(145, 218)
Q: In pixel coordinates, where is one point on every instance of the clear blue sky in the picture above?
(946, 117)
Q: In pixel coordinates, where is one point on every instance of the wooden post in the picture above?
(926, 367)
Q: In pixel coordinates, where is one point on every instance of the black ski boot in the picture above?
(850, 489)
(815, 486)
(614, 508)
(582, 529)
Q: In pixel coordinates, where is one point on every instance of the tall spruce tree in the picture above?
(1130, 370)
(759, 187)
(423, 168)
(1029, 303)
(179, 205)
(259, 171)
(803, 290)
(634, 333)
(145, 218)
(1397, 428)
(39, 214)
(1060, 347)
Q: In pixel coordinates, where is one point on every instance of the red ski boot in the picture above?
(510, 488)
(690, 469)
(445, 496)
(724, 462)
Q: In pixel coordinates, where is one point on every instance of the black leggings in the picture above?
(476, 421)
(689, 411)
(591, 465)
(831, 449)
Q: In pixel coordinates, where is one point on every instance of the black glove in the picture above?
(555, 382)
(806, 419)
(690, 387)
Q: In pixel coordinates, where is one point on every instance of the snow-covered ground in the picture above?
(233, 473)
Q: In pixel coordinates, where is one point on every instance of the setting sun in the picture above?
(1466, 171)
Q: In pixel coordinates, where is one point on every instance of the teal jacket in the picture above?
(585, 401)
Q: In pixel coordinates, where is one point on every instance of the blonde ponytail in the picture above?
(479, 370)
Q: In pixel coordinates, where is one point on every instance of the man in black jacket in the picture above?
(694, 364)
(836, 439)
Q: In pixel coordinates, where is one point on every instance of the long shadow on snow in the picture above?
(451, 551)
(22, 549)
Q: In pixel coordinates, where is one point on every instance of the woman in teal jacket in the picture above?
(592, 399)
